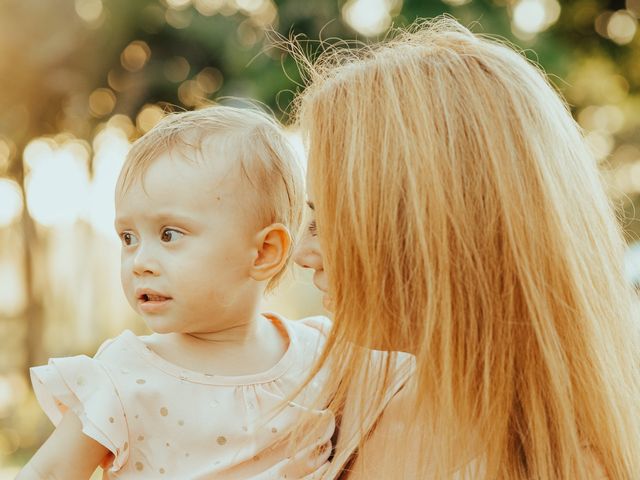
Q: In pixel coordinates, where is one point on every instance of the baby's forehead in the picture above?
(210, 158)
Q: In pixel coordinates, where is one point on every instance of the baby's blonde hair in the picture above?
(462, 218)
(252, 138)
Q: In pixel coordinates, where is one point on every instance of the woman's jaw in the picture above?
(321, 282)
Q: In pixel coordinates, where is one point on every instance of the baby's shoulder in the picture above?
(119, 350)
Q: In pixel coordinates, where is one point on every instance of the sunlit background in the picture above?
(80, 80)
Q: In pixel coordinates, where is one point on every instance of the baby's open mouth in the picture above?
(152, 298)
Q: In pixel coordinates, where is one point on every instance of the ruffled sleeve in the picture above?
(83, 385)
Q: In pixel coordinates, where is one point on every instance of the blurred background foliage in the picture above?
(81, 79)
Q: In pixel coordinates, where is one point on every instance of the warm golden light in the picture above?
(250, 5)
(190, 93)
(178, 4)
(178, 18)
(607, 118)
(89, 10)
(208, 7)
(148, 117)
(177, 69)
(264, 14)
(110, 146)
(247, 34)
(209, 80)
(7, 150)
(533, 16)
(12, 294)
(57, 185)
(369, 17)
(102, 101)
(456, 3)
(135, 56)
(622, 27)
(600, 143)
(10, 202)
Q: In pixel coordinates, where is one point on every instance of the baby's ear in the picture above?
(273, 244)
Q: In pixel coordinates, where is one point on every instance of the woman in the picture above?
(460, 218)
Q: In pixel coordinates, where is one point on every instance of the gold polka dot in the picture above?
(186, 454)
(161, 470)
(168, 444)
(141, 381)
(80, 381)
(137, 416)
(140, 438)
(125, 446)
(221, 440)
(164, 411)
(244, 427)
(274, 430)
(139, 466)
(181, 422)
(111, 420)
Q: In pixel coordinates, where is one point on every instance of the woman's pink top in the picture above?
(161, 421)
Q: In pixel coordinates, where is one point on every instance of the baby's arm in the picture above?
(68, 454)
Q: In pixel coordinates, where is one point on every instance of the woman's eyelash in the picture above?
(313, 228)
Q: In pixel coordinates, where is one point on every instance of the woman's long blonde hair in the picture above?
(462, 219)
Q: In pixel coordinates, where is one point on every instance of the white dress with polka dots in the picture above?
(161, 421)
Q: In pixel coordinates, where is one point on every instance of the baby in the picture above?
(205, 206)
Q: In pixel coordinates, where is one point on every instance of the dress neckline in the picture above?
(269, 375)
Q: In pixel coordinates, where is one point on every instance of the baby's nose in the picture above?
(145, 264)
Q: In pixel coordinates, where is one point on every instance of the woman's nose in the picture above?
(308, 254)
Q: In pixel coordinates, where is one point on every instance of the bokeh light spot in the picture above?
(250, 6)
(10, 202)
(456, 3)
(209, 80)
(101, 102)
(58, 182)
(148, 117)
(176, 69)
(178, 19)
(600, 143)
(190, 93)
(178, 4)
(369, 17)
(7, 151)
(622, 27)
(135, 56)
(208, 7)
(89, 10)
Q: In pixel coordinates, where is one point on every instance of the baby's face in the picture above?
(186, 245)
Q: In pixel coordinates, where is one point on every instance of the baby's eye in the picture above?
(313, 228)
(170, 235)
(128, 239)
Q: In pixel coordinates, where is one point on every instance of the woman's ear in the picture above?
(273, 245)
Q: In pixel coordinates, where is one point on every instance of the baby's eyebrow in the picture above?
(119, 222)
(161, 217)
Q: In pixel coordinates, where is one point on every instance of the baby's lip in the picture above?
(149, 295)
